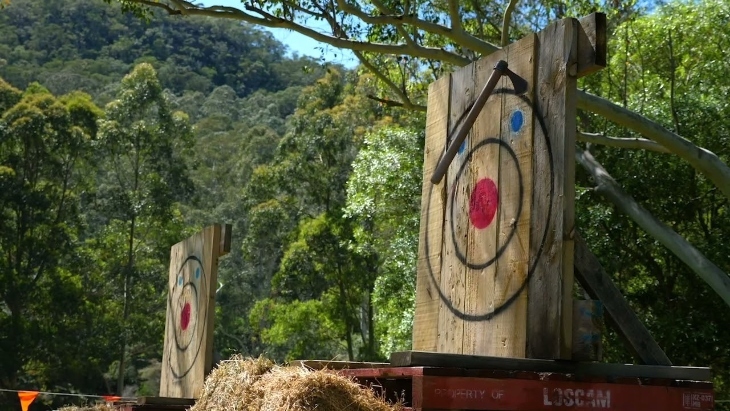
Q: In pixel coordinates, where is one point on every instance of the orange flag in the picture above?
(26, 397)
(111, 398)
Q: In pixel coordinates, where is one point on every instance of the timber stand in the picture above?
(496, 326)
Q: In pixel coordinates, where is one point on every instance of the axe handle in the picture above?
(499, 69)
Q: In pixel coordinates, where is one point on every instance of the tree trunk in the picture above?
(695, 260)
(127, 283)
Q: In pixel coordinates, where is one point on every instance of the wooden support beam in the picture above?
(594, 279)
(580, 369)
(591, 44)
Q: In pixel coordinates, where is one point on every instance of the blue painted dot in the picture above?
(462, 147)
(516, 121)
(197, 273)
(179, 280)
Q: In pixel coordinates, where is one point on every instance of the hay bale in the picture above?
(259, 385)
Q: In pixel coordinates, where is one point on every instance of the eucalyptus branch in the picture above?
(406, 102)
(692, 257)
(268, 20)
(165, 7)
(454, 15)
(635, 143)
(460, 37)
(402, 30)
(705, 161)
(506, 20)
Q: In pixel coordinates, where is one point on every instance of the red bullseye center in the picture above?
(483, 203)
(185, 317)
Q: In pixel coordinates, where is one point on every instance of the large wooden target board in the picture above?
(495, 269)
(188, 349)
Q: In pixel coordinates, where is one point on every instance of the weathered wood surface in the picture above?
(549, 295)
(425, 321)
(495, 269)
(188, 348)
(593, 278)
(337, 365)
(580, 369)
(587, 330)
(165, 401)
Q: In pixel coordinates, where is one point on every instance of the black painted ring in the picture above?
(179, 374)
(531, 270)
(184, 346)
(457, 250)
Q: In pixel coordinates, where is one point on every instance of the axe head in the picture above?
(518, 83)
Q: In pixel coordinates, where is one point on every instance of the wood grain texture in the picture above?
(482, 243)
(188, 348)
(515, 177)
(428, 277)
(592, 46)
(550, 304)
(594, 279)
(456, 220)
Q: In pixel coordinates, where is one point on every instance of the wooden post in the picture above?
(495, 267)
(188, 349)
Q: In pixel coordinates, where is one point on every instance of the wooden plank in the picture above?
(482, 238)
(550, 307)
(430, 359)
(460, 393)
(225, 244)
(336, 365)
(165, 401)
(592, 49)
(428, 277)
(594, 279)
(188, 349)
(453, 271)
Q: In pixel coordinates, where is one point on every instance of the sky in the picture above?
(298, 43)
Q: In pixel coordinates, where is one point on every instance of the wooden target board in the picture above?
(188, 349)
(495, 269)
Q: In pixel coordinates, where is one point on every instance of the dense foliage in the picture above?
(121, 136)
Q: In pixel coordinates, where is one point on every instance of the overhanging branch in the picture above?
(705, 161)
(717, 279)
(268, 20)
(634, 143)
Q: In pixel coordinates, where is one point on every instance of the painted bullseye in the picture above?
(188, 317)
(185, 317)
(483, 203)
(535, 255)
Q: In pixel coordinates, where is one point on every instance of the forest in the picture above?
(126, 128)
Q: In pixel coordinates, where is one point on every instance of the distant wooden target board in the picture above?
(188, 348)
(495, 268)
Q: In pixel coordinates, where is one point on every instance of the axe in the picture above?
(500, 69)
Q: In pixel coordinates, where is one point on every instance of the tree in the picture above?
(144, 145)
(393, 39)
(383, 197)
(45, 147)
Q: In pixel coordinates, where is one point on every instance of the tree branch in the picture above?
(635, 143)
(460, 37)
(401, 93)
(269, 20)
(454, 16)
(705, 161)
(717, 279)
(385, 10)
(505, 22)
